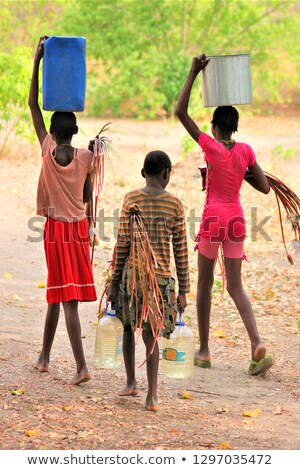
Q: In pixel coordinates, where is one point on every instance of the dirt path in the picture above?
(92, 416)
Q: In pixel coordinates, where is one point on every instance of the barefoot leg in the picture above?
(74, 332)
(129, 360)
(51, 322)
(243, 304)
(152, 371)
(204, 286)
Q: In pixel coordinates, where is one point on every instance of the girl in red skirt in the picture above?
(63, 189)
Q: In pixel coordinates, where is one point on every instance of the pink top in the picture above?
(60, 188)
(226, 168)
(223, 215)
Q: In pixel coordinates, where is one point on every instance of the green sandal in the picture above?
(200, 363)
(262, 366)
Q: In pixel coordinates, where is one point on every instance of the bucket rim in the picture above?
(227, 55)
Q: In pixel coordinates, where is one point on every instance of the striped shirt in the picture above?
(164, 219)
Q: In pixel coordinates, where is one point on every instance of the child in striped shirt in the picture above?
(164, 219)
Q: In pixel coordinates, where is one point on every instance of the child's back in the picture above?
(62, 178)
(164, 219)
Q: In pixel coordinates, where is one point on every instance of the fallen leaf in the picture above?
(7, 275)
(277, 411)
(42, 285)
(219, 334)
(269, 293)
(224, 445)
(248, 421)
(251, 413)
(186, 395)
(17, 297)
(67, 407)
(18, 392)
(32, 432)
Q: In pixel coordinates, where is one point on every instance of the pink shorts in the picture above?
(231, 249)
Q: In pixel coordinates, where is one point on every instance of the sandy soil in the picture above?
(38, 411)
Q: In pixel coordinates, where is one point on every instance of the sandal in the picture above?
(262, 366)
(201, 363)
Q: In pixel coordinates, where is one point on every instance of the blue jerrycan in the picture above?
(64, 73)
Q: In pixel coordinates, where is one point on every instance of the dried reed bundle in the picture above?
(143, 262)
(97, 176)
(291, 203)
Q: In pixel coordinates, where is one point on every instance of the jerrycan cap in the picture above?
(179, 320)
(112, 312)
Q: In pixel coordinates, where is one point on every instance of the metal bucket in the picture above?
(227, 81)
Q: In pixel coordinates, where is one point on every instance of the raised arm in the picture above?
(257, 179)
(181, 111)
(36, 113)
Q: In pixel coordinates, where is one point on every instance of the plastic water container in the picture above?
(64, 73)
(227, 81)
(178, 352)
(109, 341)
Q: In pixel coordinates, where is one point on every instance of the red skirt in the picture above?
(70, 275)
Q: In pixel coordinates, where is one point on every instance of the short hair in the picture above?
(226, 118)
(155, 162)
(63, 124)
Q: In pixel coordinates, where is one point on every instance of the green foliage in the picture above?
(280, 153)
(20, 27)
(280, 157)
(188, 144)
(217, 286)
(139, 52)
(145, 48)
(14, 115)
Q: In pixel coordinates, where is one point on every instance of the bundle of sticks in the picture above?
(99, 148)
(291, 203)
(143, 262)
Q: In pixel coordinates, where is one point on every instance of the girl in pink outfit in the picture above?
(223, 220)
(63, 189)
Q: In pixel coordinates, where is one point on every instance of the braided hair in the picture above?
(226, 118)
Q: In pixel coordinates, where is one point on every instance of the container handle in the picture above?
(180, 321)
(114, 306)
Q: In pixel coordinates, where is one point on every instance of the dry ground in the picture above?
(92, 416)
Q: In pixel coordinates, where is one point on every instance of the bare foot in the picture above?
(129, 392)
(259, 352)
(42, 365)
(80, 377)
(152, 404)
(202, 356)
